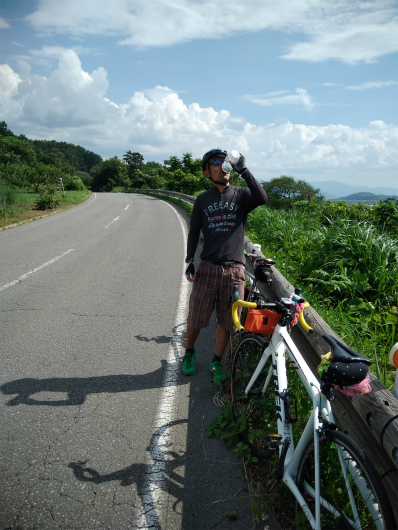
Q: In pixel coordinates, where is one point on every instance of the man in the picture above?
(221, 214)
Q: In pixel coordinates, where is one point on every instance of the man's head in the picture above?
(212, 162)
(213, 153)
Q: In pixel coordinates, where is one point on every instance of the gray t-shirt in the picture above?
(222, 219)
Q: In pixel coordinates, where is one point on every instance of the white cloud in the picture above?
(372, 84)
(9, 82)
(4, 24)
(71, 105)
(361, 39)
(348, 30)
(282, 97)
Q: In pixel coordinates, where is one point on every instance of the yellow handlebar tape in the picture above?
(253, 305)
(302, 321)
(235, 305)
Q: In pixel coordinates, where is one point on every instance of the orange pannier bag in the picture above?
(261, 321)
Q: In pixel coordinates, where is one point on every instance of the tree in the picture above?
(4, 131)
(185, 175)
(284, 191)
(173, 163)
(186, 182)
(133, 159)
(81, 159)
(110, 174)
(191, 165)
(134, 163)
(13, 150)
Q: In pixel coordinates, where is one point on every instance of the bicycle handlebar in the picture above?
(273, 306)
(302, 321)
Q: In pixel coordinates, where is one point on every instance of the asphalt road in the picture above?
(98, 428)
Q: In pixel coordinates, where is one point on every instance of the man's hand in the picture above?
(190, 271)
(240, 165)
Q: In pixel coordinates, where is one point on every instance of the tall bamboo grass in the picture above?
(347, 268)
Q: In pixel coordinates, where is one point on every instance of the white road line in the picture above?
(155, 491)
(115, 219)
(24, 276)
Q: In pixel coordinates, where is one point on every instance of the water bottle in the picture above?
(231, 158)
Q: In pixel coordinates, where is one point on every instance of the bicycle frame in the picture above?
(319, 423)
(280, 345)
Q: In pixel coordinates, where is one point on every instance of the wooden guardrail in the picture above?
(371, 420)
(181, 196)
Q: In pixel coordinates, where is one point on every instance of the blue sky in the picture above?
(305, 88)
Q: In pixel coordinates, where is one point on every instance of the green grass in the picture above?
(179, 202)
(347, 268)
(23, 207)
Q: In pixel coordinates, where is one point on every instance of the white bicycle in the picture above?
(333, 481)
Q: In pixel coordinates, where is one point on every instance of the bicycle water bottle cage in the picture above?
(285, 395)
(342, 366)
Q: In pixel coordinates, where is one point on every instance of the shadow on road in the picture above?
(78, 388)
(202, 479)
(161, 474)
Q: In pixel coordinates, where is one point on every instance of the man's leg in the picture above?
(222, 338)
(192, 335)
(230, 276)
(188, 363)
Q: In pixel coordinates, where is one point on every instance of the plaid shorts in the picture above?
(213, 288)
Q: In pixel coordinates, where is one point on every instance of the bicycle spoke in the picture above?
(258, 407)
(351, 493)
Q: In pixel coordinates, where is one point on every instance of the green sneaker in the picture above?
(188, 363)
(218, 372)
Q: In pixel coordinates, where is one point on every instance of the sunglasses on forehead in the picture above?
(217, 162)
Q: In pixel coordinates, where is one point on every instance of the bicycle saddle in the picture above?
(263, 273)
(344, 354)
(261, 260)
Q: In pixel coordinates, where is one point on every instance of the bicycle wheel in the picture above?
(371, 510)
(256, 411)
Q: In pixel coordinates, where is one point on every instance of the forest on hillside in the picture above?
(39, 164)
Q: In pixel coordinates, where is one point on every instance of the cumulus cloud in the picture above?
(348, 30)
(71, 105)
(70, 97)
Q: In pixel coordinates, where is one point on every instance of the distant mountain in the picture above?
(365, 196)
(331, 189)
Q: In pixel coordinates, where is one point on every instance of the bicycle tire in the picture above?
(256, 412)
(374, 510)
